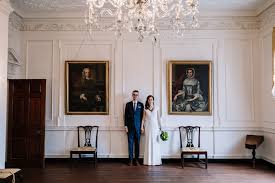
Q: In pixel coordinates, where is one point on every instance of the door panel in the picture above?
(35, 148)
(20, 87)
(19, 149)
(26, 126)
(19, 113)
(35, 112)
(35, 87)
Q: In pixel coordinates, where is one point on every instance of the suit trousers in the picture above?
(133, 140)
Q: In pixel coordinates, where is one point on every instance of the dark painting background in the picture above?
(201, 74)
(74, 81)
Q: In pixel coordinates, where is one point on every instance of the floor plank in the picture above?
(117, 172)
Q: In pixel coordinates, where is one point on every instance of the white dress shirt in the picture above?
(135, 105)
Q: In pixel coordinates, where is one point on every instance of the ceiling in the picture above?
(65, 6)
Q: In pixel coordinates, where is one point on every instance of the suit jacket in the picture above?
(133, 118)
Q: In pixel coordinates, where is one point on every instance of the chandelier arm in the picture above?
(166, 13)
(97, 3)
(129, 4)
(115, 3)
(108, 11)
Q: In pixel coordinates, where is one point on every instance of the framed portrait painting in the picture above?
(190, 87)
(87, 87)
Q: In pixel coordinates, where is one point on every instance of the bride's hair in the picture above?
(147, 106)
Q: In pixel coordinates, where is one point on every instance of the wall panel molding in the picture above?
(70, 50)
(77, 24)
(266, 18)
(173, 129)
(16, 22)
(33, 74)
(229, 68)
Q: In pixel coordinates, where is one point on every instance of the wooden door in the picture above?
(26, 123)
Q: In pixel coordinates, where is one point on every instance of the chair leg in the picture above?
(206, 161)
(254, 158)
(95, 159)
(20, 177)
(71, 159)
(182, 160)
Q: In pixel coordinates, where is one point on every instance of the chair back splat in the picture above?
(190, 133)
(87, 135)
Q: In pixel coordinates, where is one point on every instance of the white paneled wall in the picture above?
(138, 68)
(5, 10)
(190, 49)
(72, 50)
(267, 100)
(40, 67)
(143, 66)
(238, 53)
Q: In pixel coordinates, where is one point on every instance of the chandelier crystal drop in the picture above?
(142, 16)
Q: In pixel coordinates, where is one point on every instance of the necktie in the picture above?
(135, 106)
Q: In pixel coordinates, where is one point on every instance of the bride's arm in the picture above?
(143, 121)
(159, 120)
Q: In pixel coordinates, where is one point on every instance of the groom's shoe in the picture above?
(137, 163)
(130, 163)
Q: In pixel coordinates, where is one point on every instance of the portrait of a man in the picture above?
(189, 87)
(87, 87)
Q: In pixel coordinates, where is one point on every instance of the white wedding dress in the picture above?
(152, 155)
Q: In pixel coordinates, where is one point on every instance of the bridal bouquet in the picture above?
(164, 136)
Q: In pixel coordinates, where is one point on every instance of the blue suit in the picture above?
(133, 121)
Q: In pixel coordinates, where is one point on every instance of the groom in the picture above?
(133, 118)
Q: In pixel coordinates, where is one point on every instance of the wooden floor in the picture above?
(169, 172)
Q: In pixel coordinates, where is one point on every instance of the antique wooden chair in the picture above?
(253, 142)
(86, 147)
(190, 149)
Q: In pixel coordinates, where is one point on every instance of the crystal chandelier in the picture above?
(142, 16)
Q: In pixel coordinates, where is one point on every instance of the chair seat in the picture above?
(85, 149)
(193, 149)
(253, 141)
(5, 173)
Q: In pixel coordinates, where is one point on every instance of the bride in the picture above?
(151, 126)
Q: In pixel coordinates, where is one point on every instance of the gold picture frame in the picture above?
(189, 87)
(87, 87)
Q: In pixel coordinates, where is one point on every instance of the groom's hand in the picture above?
(126, 129)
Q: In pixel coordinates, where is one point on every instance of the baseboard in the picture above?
(170, 160)
(122, 156)
(269, 160)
